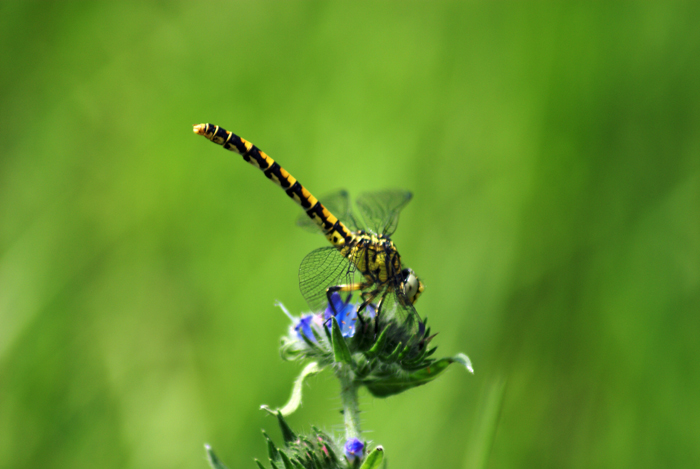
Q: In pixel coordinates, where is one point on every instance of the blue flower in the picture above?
(346, 314)
(353, 449)
(304, 327)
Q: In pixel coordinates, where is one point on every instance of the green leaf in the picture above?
(314, 459)
(311, 344)
(295, 399)
(213, 460)
(272, 451)
(374, 459)
(417, 359)
(384, 386)
(326, 443)
(379, 344)
(287, 433)
(404, 352)
(418, 366)
(363, 367)
(394, 354)
(340, 347)
(317, 336)
(287, 462)
(327, 331)
(260, 464)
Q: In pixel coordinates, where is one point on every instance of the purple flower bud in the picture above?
(354, 449)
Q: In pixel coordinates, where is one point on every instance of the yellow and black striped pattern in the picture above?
(334, 230)
(373, 255)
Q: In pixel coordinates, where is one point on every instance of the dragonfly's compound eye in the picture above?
(412, 287)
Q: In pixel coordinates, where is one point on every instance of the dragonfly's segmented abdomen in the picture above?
(335, 231)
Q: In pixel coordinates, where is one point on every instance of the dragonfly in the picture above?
(361, 258)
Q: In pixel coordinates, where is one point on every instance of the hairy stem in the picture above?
(348, 397)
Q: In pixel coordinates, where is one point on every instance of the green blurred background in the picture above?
(553, 152)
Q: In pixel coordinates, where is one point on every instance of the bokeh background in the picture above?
(554, 154)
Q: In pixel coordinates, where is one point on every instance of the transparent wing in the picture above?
(396, 306)
(338, 204)
(380, 210)
(322, 268)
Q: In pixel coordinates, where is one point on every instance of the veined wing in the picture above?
(380, 210)
(323, 268)
(395, 306)
(338, 203)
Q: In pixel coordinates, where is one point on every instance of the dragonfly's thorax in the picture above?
(375, 256)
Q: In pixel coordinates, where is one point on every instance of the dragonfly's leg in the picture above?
(379, 310)
(351, 287)
(367, 298)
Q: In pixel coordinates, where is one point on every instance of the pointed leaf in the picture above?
(432, 351)
(312, 345)
(418, 366)
(260, 464)
(317, 336)
(387, 385)
(287, 462)
(374, 459)
(213, 460)
(325, 443)
(315, 460)
(417, 359)
(272, 451)
(394, 354)
(327, 331)
(287, 433)
(379, 344)
(340, 347)
(404, 352)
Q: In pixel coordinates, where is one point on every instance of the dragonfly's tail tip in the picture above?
(198, 129)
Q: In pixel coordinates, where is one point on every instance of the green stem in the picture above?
(348, 397)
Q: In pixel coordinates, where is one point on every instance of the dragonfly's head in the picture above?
(412, 286)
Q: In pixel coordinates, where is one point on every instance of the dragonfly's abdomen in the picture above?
(334, 230)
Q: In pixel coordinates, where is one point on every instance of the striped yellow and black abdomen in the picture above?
(334, 230)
